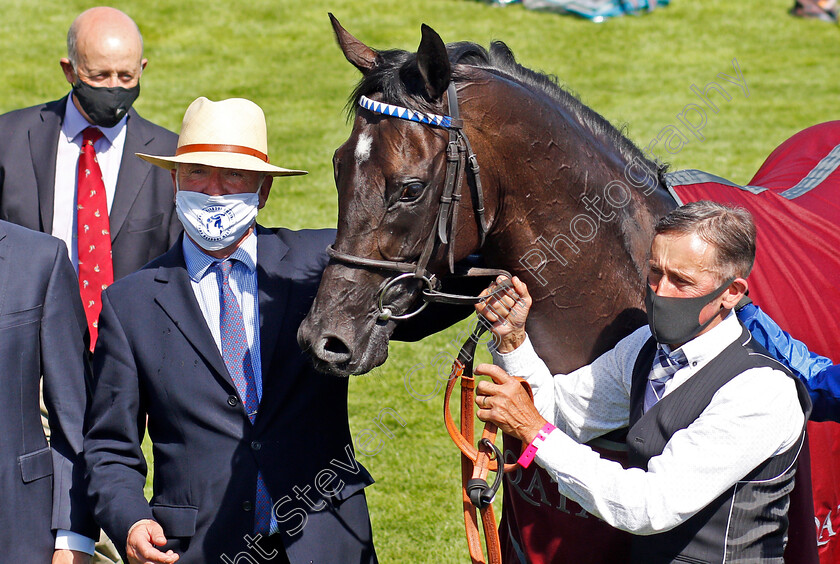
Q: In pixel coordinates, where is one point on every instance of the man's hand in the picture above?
(70, 557)
(140, 547)
(506, 311)
(506, 403)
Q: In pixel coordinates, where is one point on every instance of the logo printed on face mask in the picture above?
(216, 222)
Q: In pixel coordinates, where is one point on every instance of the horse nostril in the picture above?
(335, 346)
(335, 350)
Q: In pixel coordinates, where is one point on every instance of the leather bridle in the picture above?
(458, 153)
(476, 462)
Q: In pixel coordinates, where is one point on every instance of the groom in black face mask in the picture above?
(714, 424)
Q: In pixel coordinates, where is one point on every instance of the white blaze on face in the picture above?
(363, 148)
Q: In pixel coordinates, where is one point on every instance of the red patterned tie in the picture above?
(93, 232)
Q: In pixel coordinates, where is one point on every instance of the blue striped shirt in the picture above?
(243, 282)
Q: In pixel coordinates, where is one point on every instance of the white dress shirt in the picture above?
(754, 416)
(109, 150)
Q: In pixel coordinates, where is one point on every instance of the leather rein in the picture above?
(476, 461)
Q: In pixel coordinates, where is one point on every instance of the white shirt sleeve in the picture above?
(588, 402)
(754, 416)
(68, 540)
(751, 418)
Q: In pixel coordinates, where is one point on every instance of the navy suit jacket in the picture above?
(142, 218)
(156, 356)
(42, 332)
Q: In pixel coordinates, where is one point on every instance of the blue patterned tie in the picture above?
(663, 369)
(237, 358)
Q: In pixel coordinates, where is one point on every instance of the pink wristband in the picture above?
(531, 450)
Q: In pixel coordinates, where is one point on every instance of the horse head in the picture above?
(392, 242)
(563, 199)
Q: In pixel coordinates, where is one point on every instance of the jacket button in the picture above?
(247, 506)
(232, 401)
(256, 445)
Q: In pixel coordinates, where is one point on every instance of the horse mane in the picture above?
(398, 79)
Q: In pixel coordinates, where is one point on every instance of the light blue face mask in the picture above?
(216, 222)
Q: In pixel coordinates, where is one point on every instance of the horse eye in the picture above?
(412, 191)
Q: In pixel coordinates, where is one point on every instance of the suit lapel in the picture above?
(177, 299)
(273, 288)
(132, 174)
(43, 149)
(5, 267)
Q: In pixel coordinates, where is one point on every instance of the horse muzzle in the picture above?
(341, 353)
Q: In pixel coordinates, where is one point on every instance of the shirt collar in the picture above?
(197, 261)
(703, 348)
(74, 123)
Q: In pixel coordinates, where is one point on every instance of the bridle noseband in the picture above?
(458, 153)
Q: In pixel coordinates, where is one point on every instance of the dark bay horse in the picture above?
(561, 186)
(568, 202)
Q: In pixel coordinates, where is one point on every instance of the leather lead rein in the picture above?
(476, 462)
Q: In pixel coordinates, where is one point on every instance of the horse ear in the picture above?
(360, 55)
(433, 62)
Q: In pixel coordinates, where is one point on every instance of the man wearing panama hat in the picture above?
(253, 459)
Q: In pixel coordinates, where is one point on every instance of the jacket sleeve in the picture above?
(115, 465)
(66, 375)
(819, 374)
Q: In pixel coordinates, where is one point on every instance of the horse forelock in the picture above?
(396, 79)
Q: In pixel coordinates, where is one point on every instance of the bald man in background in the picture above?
(40, 156)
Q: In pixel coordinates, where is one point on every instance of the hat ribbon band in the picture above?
(218, 148)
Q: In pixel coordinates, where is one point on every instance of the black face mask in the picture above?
(674, 321)
(105, 106)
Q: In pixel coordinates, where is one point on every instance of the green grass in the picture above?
(635, 71)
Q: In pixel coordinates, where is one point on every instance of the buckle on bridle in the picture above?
(453, 150)
(473, 163)
(481, 493)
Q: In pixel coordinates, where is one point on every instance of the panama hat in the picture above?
(226, 134)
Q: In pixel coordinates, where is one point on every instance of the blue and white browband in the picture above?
(405, 113)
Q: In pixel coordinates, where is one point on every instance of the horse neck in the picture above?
(566, 220)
